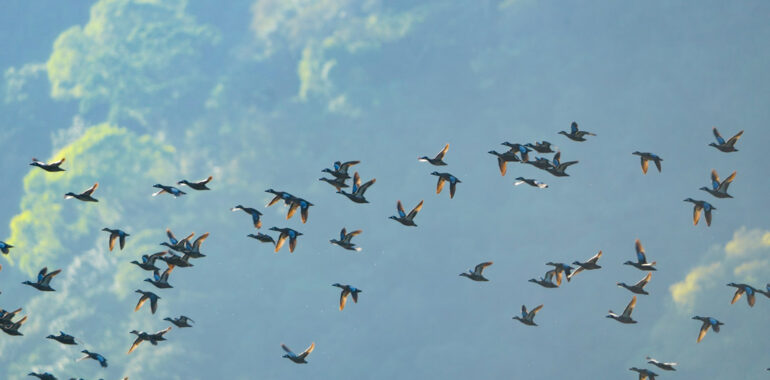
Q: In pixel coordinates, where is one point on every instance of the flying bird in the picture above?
(93, 355)
(180, 322)
(403, 217)
(262, 237)
(504, 158)
(161, 280)
(575, 134)
(698, 207)
(638, 288)
(5, 247)
(644, 374)
(341, 170)
(476, 273)
(662, 365)
(63, 338)
(719, 189)
(641, 259)
(540, 147)
(708, 322)
(446, 177)
(199, 185)
(590, 264)
(357, 193)
(626, 316)
(344, 240)
(84, 196)
(725, 146)
(531, 182)
(43, 280)
(299, 359)
(347, 290)
(547, 281)
(147, 296)
(167, 189)
(43, 376)
(646, 158)
(558, 168)
(438, 160)
(148, 261)
(49, 167)
(740, 290)
(527, 318)
(116, 234)
(286, 233)
(152, 338)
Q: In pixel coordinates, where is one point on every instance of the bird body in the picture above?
(63, 338)
(167, 189)
(530, 181)
(662, 365)
(180, 322)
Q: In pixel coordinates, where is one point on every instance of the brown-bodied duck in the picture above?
(725, 146)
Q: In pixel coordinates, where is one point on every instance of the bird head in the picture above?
(563, 133)
(704, 188)
(434, 173)
(628, 263)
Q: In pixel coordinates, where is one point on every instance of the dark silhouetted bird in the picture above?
(147, 296)
(476, 273)
(63, 338)
(200, 185)
(540, 147)
(161, 280)
(547, 281)
(558, 168)
(504, 158)
(262, 237)
(708, 322)
(358, 190)
(446, 177)
(84, 196)
(740, 290)
(403, 217)
(347, 290)
(527, 318)
(345, 238)
(725, 146)
(43, 280)
(529, 181)
(575, 134)
(93, 355)
(167, 189)
(251, 211)
(341, 170)
(299, 359)
(438, 160)
(148, 261)
(50, 167)
(12, 328)
(180, 322)
(644, 374)
(646, 158)
(152, 338)
(42, 376)
(5, 247)
(115, 235)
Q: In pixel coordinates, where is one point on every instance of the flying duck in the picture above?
(43, 280)
(724, 146)
(115, 235)
(529, 181)
(446, 177)
(638, 288)
(476, 273)
(403, 217)
(279, 195)
(558, 168)
(646, 158)
(344, 241)
(152, 338)
(590, 264)
(7, 316)
(662, 365)
(43, 376)
(644, 374)
(299, 359)
(504, 158)
(262, 237)
(177, 261)
(527, 318)
(575, 134)
(347, 290)
(541, 163)
(438, 160)
(176, 245)
(357, 193)
(540, 147)
(341, 170)
(93, 355)
(148, 261)
(302, 205)
(194, 250)
(641, 260)
(5, 247)
(84, 196)
(719, 189)
(180, 322)
(161, 280)
(50, 167)
(707, 322)
(698, 206)
(559, 268)
(12, 328)
(743, 288)
(200, 185)
(284, 234)
(147, 296)
(336, 182)
(547, 281)
(63, 338)
(167, 189)
(626, 316)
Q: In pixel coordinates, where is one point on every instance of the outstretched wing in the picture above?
(629, 308)
(307, 351)
(415, 210)
(640, 257)
(719, 138)
(441, 154)
(730, 142)
(480, 268)
(400, 208)
(91, 189)
(440, 184)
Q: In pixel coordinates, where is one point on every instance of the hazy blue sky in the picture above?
(264, 94)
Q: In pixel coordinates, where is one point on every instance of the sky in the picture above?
(265, 94)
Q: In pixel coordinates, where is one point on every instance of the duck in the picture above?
(302, 205)
(299, 359)
(638, 288)
(641, 260)
(194, 250)
(725, 146)
(49, 167)
(438, 160)
(12, 328)
(180, 322)
(63, 338)
(95, 356)
(344, 240)
(279, 195)
(719, 189)
(167, 189)
(262, 237)
(540, 147)
(698, 207)
(285, 233)
(626, 316)
(161, 280)
(7, 316)
(43, 376)
(743, 288)
(644, 373)
(44, 278)
(116, 234)
(646, 158)
(341, 169)
(559, 268)
(177, 261)
(503, 159)
(176, 245)
(575, 134)
(446, 177)
(5, 248)
(84, 196)
(531, 182)
(148, 261)
(476, 273)
(403, 217)
(357, 193)
(661, 365)
(708, 322)
(558, 168)
(520, 149)
(347, 290)
(589, 264)
(336, 182)
(541, 163)
(199, 185)
(147, 296)
(547, 281)
(152, 338)
(527, 318)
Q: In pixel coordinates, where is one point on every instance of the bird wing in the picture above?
(480, 268)
(135, 345)
(714, 179)
(645, 165)
(534, 311)
(91, 189)
(48, 277)
(287, 349)
(737, 296)
(441, 154)
(365, 186)
(644, 281)
(307, 351)
(595, 258)
(708, 217)
(292, 243)
(696, 214)
(629, 308)
(558, 276)
(640, 252)
(356, 181)
(171, 237)
(730, 142)
(292, 209)
(452, 187)
(719, 138)
(400, 208)
(197, 243)
(344, 297)
(122, 240)
(726, 183)
(281, 239)
(703, 329)
(41, 274)
(440, 184)
(205, 181)
(576, 271)
(502, 164)
(161, 332)
(415, 210)
(657, 164)
(57, 163)
(141, 302)
(113, 237)
(303, 214)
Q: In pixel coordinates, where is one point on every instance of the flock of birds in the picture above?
(188, 249)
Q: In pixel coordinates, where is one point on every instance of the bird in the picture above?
(7, 316)
(93, 355)
(661, 365)
(590, 264)
(147, 296)
(180, 322)
(559, 268)
(403, 217)
(336, 182)
(177, 261)
(626, 316)
(438, 160)
(63, 338)
(646, 158)
(725, 146)
(49, 167)
(43, 280)
(161, 280)
(152, 338)
(84, 196)
(547, 281)
(698, 207)
(531, 182)
(644, 373)
(711, 322)
(719, 189)
(743, 288)
(558, 168)
(116, 234)
(476, 273)
(299, 359)
(344, 240)
(341, 169)
(503, 159)
(520, 149)
(541, 163)
(199, 185)
(575, 134)
(540, 147)
(279, 195)
(194, 249)
(638, 288)
(176, 245)
(527, 318)
(148, 261)
(284, 234)
(446, 177)
(5, 248)
(43, 376)
(262, 237)
(302, 205)
(641, 260)
(358, 190)
(167, 189)
(12, 328)
(347, 290)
